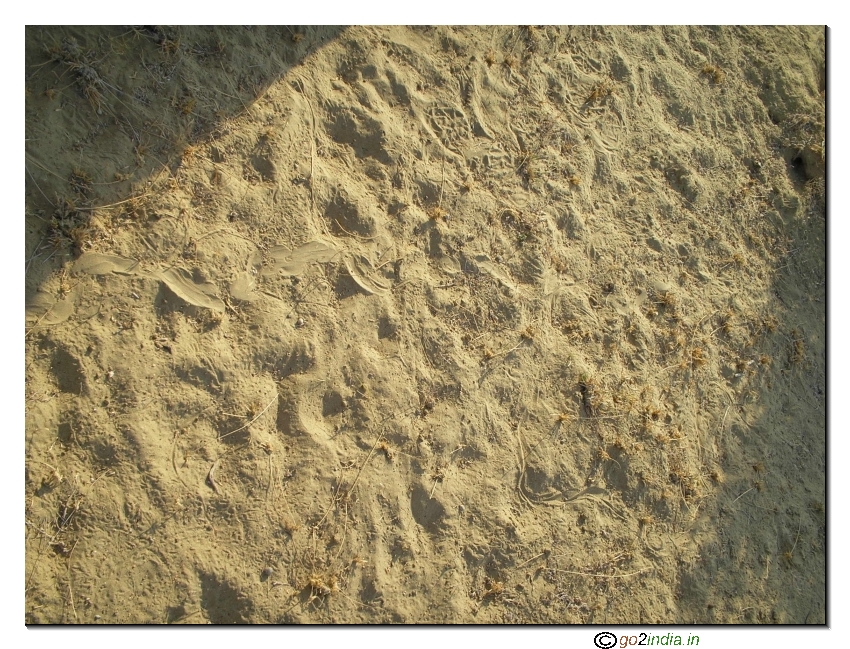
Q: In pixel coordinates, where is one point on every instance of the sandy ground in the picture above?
(480, 325)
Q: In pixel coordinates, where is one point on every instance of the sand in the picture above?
(416, 325)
